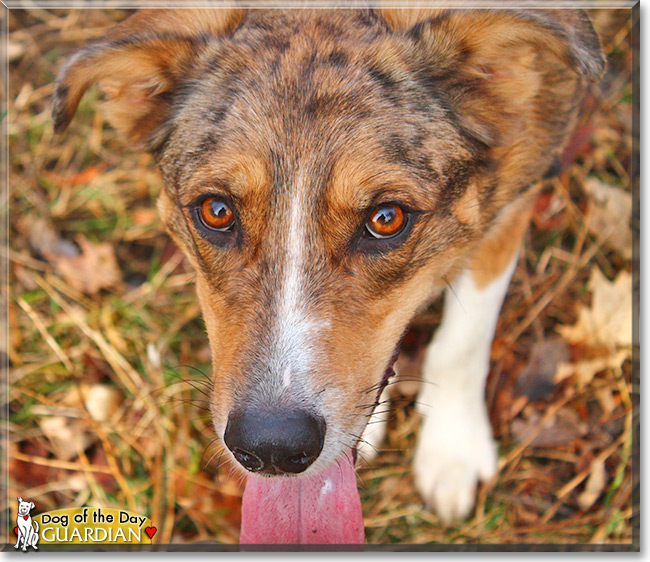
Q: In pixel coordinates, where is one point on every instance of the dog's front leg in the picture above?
(455, 447)
(18, 538)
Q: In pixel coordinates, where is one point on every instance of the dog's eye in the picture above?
(386, 221)
(216, 214)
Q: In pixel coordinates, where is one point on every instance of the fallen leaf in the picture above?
(548, 212)
(71, 433)
(579, 143)
(100, 400)
(606, 400)
(87, 175)
(608, 321)
(604, 329)
(586, 370)
(561, 429)
(79, 178)
(94, 269)
(594, 486)
(67, 436)
(43, 238)
(28, 473)
(610, 219)
(537, 379)
(93, 369)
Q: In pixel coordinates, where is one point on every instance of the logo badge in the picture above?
(83, 525)
(26, 530)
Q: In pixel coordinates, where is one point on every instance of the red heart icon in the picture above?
(151, 531)
(15, 530)
(25, 517)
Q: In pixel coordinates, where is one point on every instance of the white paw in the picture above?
(455, 450)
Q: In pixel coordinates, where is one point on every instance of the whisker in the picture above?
(201, 390)
(451, 290)
(193, 368)
(206, 449)
(195, 403)
(202, 418)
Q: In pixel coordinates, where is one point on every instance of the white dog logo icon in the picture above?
(27, 533)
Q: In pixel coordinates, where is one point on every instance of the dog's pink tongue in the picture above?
(324, 509)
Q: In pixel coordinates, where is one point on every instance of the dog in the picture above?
(27, 533)
(328, 173)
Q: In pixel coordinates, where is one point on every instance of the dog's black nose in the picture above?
(275, 442)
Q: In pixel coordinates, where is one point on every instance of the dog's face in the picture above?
(325, 172)
(24, 507)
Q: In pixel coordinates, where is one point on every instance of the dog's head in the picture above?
(325, 171)
(24, 507)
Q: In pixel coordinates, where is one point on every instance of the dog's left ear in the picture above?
(32, 505)
(139, 64)
(510, 77)
(483, 34)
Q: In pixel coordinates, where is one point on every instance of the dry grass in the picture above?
(143, 340)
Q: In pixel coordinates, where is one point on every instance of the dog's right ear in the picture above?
(513, 78)
(138, 64)
(20, 500)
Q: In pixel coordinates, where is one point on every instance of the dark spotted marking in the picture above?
(371, 19)
(407, 153)
(216, 115)
(308, 68)
(330, 29)
(387, 82)
(456, 175)
(328, 105)
(278, 45)
(415, 33)
(338, 58)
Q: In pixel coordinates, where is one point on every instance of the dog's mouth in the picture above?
(322, 508)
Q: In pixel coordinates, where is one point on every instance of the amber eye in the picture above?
(216, 214)
(386, 221)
